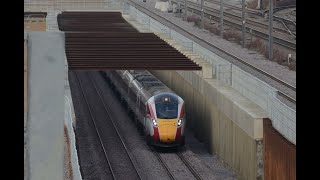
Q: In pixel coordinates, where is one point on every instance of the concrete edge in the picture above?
(71, 135)
(70, 123)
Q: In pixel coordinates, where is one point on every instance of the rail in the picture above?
(164, 164)
(95, 126)
(182, 158)
(251, 11)
(260, 13)
(194, 172)
(120, 137)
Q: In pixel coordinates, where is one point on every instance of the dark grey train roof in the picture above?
(149, 82)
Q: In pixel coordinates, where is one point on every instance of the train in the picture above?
(158, 110)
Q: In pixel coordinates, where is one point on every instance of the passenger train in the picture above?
(159, 110)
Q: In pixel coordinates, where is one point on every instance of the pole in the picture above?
(270, 28)
(185, 10)
(221, 18)
(179, 15)
(259, 4)
(243, 24)
(202, 13)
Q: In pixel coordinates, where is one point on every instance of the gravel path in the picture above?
(147, 162)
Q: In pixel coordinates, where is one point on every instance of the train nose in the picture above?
(167, 130)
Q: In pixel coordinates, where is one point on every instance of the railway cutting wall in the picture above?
(225, 105)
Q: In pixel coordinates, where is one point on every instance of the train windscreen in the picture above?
(166, 105)
(167, 110)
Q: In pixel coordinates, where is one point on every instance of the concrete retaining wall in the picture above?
(283, 117)
(70, 123)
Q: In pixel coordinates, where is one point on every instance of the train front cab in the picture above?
(165, 120)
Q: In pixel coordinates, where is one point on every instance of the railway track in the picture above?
(183, 159)
(235, 21)
(238, 16)
(104, 138)
(194, 172)
(251, 11)
(260, 13)
(164, 165)
(284, 85)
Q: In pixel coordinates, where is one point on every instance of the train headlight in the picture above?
(179, 122)
(154, 122)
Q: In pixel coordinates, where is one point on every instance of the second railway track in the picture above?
(101, 118)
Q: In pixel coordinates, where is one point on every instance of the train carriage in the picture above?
(158, 109)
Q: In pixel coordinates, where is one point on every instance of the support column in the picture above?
(221, 18)
(243, 24)
(270, 29)
(202, 15)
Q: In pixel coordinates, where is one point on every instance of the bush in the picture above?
(198, 22)
(279, 57)
(192, 18)
(211, 28)
(233, 35)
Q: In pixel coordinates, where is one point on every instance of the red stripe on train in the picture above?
(156, 134)
(151, 111)
(182, 111)
(178, 135)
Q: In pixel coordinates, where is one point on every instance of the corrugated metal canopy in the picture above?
(104, 40)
